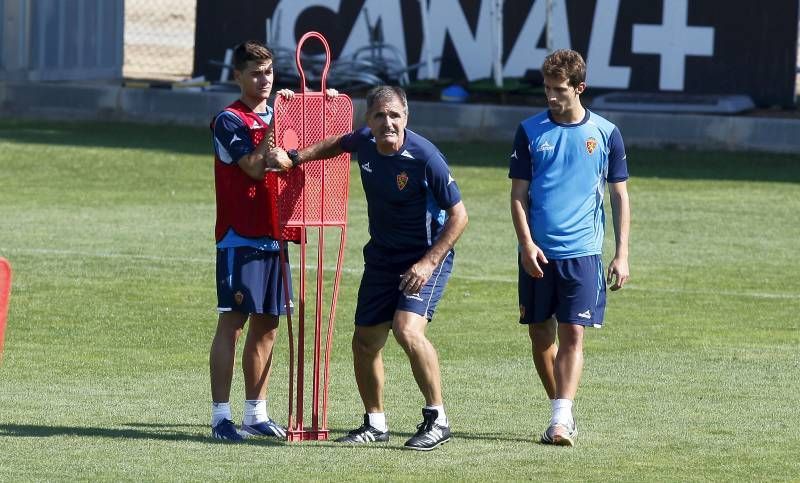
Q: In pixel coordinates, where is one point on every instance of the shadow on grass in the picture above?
(155, 431)
(167, 138)
(643, 163)
(165, 432)
(494, 437)
(400, 437)
(188, 432)
(656, 163)
(714, 165)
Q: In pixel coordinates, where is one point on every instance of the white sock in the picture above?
(220, 411)
(255, 411)
(441, 418)
(562, 411)
(378, 421)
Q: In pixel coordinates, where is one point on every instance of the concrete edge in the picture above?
(439, 121)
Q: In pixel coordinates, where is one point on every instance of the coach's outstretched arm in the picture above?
(325, 149)
(417, 276)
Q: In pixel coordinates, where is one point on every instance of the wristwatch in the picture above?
(294, 156)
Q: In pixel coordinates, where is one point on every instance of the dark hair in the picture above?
(250, 50)
(387, 93)
(565, 64)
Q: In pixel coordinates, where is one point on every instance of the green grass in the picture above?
(109, 227)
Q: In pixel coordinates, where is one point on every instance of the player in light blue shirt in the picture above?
(562, 161)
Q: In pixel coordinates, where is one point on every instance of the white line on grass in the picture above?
(154, 258)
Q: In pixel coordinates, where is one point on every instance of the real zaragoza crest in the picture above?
(591, 145)
(402, 180)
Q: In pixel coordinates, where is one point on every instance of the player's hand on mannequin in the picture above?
(412, 281)
(277, 160)
(532, 260)
(618, 273)
(289, 94)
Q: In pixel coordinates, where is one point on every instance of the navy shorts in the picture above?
(573, 289)
(379, 296)
(249, 281)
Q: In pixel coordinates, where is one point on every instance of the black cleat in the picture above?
(365, 434)
(429, 434)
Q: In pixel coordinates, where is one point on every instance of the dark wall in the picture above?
(754, 43)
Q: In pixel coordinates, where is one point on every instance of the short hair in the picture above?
(250, 50)
(387, 93)
(565, 64)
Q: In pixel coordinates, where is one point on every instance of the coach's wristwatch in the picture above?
(294, 156)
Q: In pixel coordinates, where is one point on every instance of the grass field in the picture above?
(109, 228)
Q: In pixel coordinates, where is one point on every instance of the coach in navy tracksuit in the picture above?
(415, 217)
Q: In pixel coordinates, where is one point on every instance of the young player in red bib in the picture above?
(249, 283)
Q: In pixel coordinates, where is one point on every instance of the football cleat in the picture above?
(365, 434)
(226, 431)
(264, 428)
(429, 434)
(560, 434)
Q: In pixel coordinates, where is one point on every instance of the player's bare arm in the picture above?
(530, 253)
(417, 276)
(257, 163)
(618, 270)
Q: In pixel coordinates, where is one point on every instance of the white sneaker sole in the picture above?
(563, 441)
(559, 439)
(251, 433)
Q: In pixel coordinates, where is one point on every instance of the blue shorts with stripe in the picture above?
(573, 290)
(249, 281)
(379, 296)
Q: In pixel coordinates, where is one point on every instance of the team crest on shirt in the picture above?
(402, 180)
(591, 145)
(238, 297)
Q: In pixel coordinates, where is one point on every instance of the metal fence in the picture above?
(159, 39)
(60, 39)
